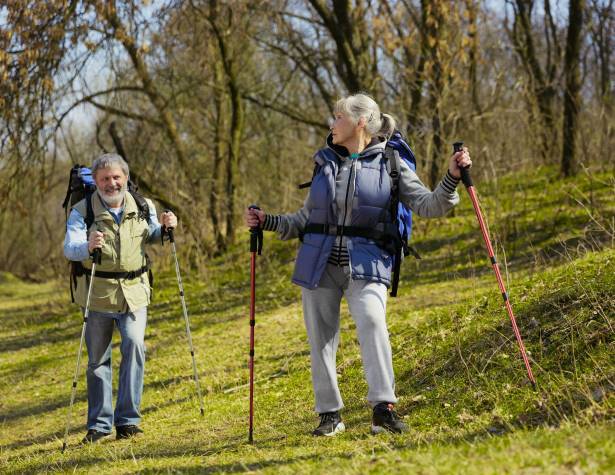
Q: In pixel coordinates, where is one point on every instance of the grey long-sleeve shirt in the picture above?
(412, 192)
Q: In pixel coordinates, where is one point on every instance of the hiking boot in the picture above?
(385, 418)
(126, 432)
(93, 436)
(330, 424)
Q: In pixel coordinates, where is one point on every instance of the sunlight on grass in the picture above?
(462, 385)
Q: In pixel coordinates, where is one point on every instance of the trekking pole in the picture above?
(169, 231)
(96, 258)
(256, 245)
(467, 181)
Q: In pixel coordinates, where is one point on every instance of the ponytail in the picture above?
(388, 125)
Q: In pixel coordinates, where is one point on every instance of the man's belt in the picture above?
(81, 270)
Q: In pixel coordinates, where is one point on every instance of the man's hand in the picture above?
(96, 241)
(168, 219)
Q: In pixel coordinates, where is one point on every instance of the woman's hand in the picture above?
(254, 218)
(459, 160)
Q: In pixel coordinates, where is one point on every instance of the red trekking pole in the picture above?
(256, 245)
(467, 181)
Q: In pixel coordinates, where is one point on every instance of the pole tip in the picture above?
(63, 447)
(202, 412)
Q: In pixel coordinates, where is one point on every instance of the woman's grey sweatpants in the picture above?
(321, 312)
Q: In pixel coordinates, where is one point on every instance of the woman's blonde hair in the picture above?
(361, 105)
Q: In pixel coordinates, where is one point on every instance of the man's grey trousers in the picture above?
(321, 312)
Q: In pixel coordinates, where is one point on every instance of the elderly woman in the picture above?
(351, 189)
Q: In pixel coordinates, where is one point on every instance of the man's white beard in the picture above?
(116, 200)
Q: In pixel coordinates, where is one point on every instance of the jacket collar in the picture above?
(376, 145)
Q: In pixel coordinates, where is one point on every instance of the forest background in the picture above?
(218, 104)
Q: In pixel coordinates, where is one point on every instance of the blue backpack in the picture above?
(397, 149)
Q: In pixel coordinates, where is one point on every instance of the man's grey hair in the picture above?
(109, 160)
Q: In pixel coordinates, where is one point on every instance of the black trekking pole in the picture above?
(169, 231)
(467, 181)
(256, 245)
(96, 258)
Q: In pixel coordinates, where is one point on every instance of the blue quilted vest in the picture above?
(370, 206)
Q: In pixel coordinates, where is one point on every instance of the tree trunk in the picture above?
(416, 86)
(573, 85)
(218, 165)
(237, 123)
(434, 30)
(230, 67)
(474, 53)
(348, 27)
(540, 81)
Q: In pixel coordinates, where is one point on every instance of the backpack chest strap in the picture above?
(384, 234)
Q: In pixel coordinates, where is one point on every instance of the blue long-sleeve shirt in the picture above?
(76, 240)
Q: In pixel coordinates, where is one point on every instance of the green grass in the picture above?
(462, 385)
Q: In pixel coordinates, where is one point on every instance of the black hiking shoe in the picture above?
(93, 436)
(385, 418)
(330, 424)
(126, 432)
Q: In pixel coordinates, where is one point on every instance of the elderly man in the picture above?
(120, 292)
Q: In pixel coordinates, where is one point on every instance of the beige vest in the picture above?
(123, 251)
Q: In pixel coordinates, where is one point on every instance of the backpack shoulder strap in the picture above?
(89, 211)
(74, 174)
(142, 205)
(307, 184)
(394, 168)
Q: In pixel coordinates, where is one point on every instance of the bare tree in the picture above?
(573, 85)
(473, 47)
(542, 78)
(602, 30)
(347, 23)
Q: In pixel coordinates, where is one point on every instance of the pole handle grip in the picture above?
(169, 231)
(96, 253)
(465, 171)
(256, 235)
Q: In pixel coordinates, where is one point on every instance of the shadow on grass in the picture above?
(56, 437)
(49, 406)
(239, 467)
(235, 444)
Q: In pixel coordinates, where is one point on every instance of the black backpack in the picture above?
(81, 186)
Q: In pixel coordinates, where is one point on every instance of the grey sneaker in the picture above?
(330, 424)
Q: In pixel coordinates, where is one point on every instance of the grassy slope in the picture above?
(460, 380)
